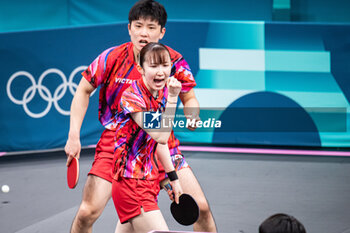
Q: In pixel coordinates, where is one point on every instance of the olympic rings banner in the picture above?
(40, 71)
(241, 68)
(43, 90)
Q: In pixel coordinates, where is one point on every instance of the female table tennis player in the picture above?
(135, 185)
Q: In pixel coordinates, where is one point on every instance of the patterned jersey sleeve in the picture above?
(96, 72)
(184, 75)
(132, 102)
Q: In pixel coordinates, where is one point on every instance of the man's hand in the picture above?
(191, 108)
(72, 149)
(193, 126)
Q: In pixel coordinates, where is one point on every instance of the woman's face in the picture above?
(155, 74)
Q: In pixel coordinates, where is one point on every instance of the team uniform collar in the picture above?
(149, 94)
(131, 53)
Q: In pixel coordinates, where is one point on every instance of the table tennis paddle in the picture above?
(187, 211)
(73, 173)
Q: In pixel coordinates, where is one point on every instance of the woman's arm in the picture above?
(162, 135)
(163, 154)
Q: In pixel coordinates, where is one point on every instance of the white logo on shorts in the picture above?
(178, 157)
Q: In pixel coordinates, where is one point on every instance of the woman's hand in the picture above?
(176, 191)
(174, 87)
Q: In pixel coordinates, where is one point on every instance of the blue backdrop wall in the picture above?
(39, 14)
(18, 15)
(278, 84)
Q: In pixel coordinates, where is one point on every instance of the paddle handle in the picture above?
(167, 187)
(165, 184)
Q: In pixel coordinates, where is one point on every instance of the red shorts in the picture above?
(103, 162)
(104, 154)
(129, 195)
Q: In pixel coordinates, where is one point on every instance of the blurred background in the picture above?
(274, 72)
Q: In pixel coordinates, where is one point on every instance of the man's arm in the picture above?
(78, 109)
(191, 107)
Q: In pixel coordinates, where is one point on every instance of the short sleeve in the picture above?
(131, 102)
(184, 75)
(95, 74)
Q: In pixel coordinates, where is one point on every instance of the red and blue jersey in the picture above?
(115, 69)
(134, 155)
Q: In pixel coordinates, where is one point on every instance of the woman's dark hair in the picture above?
(156, 53)
(281, 223)
(148, 9)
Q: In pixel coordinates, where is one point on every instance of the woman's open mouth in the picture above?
(159, 82)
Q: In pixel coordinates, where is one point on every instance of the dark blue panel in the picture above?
(320, 10)
(337, 41)
(187, 38)
(267, 118)
(320, 37)
(294, 36)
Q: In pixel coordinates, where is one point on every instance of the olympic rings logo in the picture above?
(43, 91)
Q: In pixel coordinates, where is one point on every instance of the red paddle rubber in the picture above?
(73, 173)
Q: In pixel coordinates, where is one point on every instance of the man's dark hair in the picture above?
(281, 223)
(148, 9)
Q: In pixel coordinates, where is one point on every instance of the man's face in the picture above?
(144, 31)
